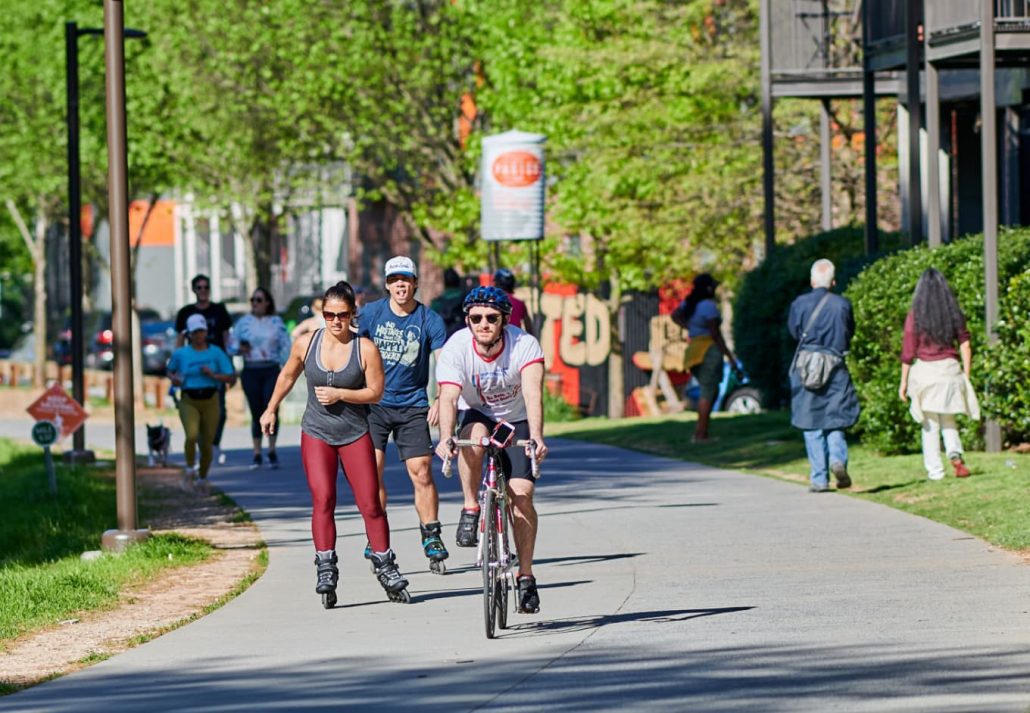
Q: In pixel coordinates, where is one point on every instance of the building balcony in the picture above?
(953, 31)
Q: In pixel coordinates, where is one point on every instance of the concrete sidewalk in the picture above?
(665, 586)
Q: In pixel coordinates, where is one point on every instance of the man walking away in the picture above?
(218, 325)
(823, 325)
(407, 332)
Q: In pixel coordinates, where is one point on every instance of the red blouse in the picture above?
(918, 346)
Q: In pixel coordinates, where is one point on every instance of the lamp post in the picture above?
(72, 32)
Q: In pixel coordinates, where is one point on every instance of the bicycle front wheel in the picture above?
(490, 561)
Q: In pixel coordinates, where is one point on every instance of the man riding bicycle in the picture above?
(497, 372)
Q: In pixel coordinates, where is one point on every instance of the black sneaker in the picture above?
(256, 463)
(468, 528)
(273, 460)
(529, 598)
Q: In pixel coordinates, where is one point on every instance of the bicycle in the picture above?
(494, 554)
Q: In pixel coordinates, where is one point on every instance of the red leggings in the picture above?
(321, 465)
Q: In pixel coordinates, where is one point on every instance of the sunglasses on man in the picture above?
(492, 318)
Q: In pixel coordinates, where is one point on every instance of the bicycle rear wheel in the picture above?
(490, 561)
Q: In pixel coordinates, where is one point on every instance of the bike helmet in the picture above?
(487, 297)
(505, 279)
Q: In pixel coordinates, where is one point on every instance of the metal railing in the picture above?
(951, 17)
(815, 37)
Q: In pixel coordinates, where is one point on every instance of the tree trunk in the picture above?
(616, 381)
(39, 309)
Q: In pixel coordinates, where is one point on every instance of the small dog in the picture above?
(159, 438)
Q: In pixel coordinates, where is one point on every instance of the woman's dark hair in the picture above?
(703, 289)
(269, 300)
(935, 310)
(341, 291)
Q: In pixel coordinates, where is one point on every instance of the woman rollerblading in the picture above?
(344, 374)
(434, 547)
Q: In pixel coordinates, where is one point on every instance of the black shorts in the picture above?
(514, 459)
(407, 424)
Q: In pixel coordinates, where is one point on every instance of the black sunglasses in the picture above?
(202, 287)
(257, 299)
(492, 318)
(330, 316)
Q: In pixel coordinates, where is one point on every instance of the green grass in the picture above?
(42, 578)
(993, 504)
(39, 595)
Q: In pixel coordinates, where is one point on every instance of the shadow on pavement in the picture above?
(670, 616)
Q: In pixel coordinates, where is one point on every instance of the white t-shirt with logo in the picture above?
(491, 386)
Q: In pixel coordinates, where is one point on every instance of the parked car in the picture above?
(735, 395)
(157, 342)
(100, 346)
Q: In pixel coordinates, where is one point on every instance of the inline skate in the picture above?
(328, 576)
(392, 581)
(434, 548)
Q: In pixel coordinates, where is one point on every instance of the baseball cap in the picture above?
(196, 322)
(400, 265)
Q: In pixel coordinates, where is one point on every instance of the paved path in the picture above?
(666, 586)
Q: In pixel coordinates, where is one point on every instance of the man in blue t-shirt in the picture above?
(407, 332)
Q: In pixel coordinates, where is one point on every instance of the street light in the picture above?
(72, 33)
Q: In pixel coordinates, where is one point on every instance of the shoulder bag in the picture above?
(814, 368)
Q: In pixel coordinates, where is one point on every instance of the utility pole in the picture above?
(121, 293)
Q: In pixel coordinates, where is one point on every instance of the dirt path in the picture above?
(175, 597)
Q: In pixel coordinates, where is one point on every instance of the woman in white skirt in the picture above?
(932, 377)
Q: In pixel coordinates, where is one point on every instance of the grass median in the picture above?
(993, 504)
(42, 578)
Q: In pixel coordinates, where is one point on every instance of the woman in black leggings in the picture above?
(265, 346)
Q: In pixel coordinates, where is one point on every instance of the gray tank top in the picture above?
(340, 423)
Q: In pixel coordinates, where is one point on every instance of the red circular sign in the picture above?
(516, 169)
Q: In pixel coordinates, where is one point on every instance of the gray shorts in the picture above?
(709, 373)
(408, 426)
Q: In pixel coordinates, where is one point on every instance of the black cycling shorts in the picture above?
(514, 459)
(408, 426)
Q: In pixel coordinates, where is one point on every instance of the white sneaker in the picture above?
(218, 457)
(936, 476)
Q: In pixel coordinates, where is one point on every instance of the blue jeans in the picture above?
(825, 447)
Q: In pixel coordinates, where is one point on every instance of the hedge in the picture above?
(1007, 363)
(881, 296)
(763, 299)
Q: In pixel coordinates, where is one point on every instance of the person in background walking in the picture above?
(344, 374)
(312, 323)
(505, 279)
(407, 333)
(265, 346)
(449, 303)
(218, 325)
(931, 376)
(199, 368)
(700, 316)
(823, 414)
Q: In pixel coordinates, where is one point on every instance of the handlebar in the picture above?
(529, 444)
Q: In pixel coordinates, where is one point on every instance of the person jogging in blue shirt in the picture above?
(407, 333)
